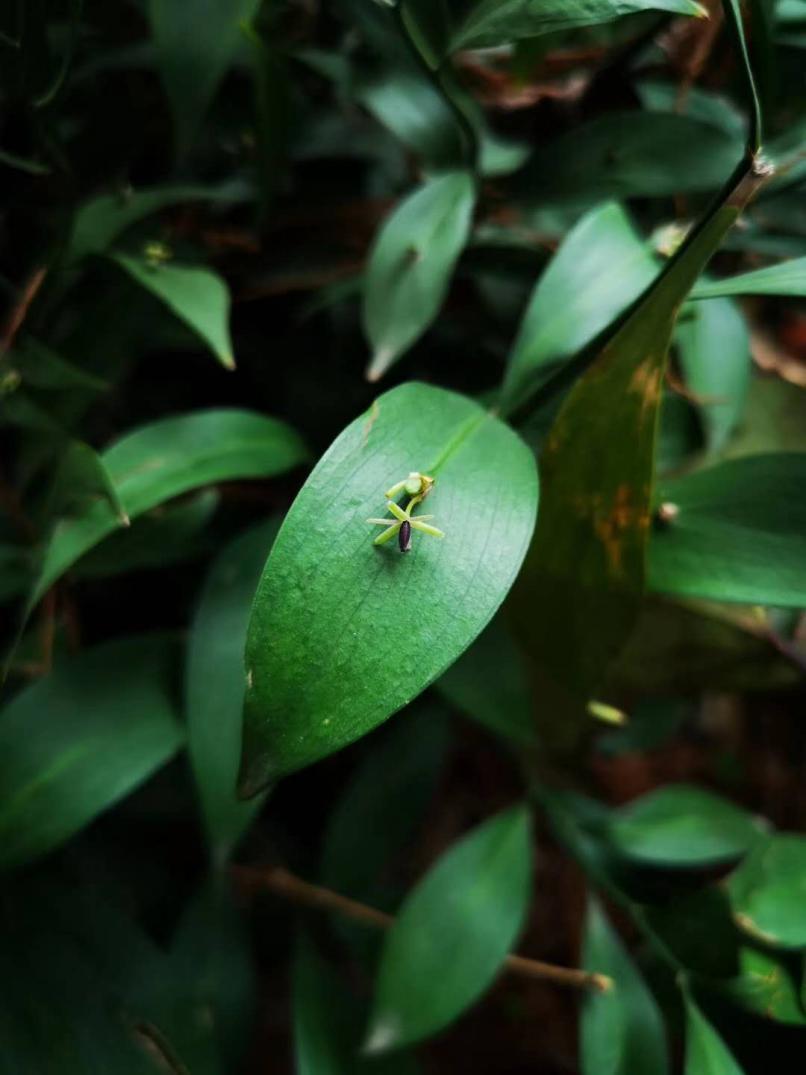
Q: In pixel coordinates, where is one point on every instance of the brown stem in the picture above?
(283, 883)
(21, 307)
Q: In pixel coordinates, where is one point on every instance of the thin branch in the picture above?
(21, 307)
(283, 883)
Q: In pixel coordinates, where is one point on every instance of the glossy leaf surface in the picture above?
(192, 74)
(495, 22)
(706, 1052)
(78, 740)
(165, 459)
(411, 263)
(737, 532)
(580, 591)
(769, 889)
(197, 296)
(713, 346)
(215, 702)
(453, 932)
(621, 1030)
(344, 633)
(600, 268)
(681, 825)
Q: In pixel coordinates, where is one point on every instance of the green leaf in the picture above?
(166, 535)
(706, 1053)
(580, 591)
(344, 633)
(765, 986)
(631, 154)
(411, 264)
(496, 22)
(165, 459)
(197, 296)
(97, 223)
(196, 42)
(367, 828)
(453, 933)
(774, 419)
(600, 267)
(734, 532)
(81, 738)
(81, 478)
(327, 1023)
(734, 18)
(713, 345)
(621, 1030)
(768, 891)
(490, 683)
(786, 278)
(214, 684)
(416, 113)
(212, 965)
(681, 825)
(40, 367)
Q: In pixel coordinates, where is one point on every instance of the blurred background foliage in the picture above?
(222, 223)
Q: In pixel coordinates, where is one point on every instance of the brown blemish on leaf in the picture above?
(612, 524)
(646, 381)
(372, 418)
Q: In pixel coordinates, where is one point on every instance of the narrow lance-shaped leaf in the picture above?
(786, 278)
(196, 41)
(599, 269)
(197, 296)
(734, 532)
(713, 347)
(81, 478)
(621, 1029)
(215, 701)
(81, 738)
(164, 459)
(327, 1023)
(453, 932)
(344, 633)
(706, 1052)
(411, 264)
(495, 22)
(580, 591)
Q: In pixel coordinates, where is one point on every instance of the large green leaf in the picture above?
(81, 738)
(765, 986)
(786, 278)
(631, 154)
(344, 633)
(621, 1030)
(713, 345)
(734, 532)
(768, 891)
(599, 269)
(411, 263)
(165, 459)
(681, 825)
(580, 591)
(197, 296)
(214, 684)
(453, 932)
(706, 1052)
(495, 22)
(196, 41)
